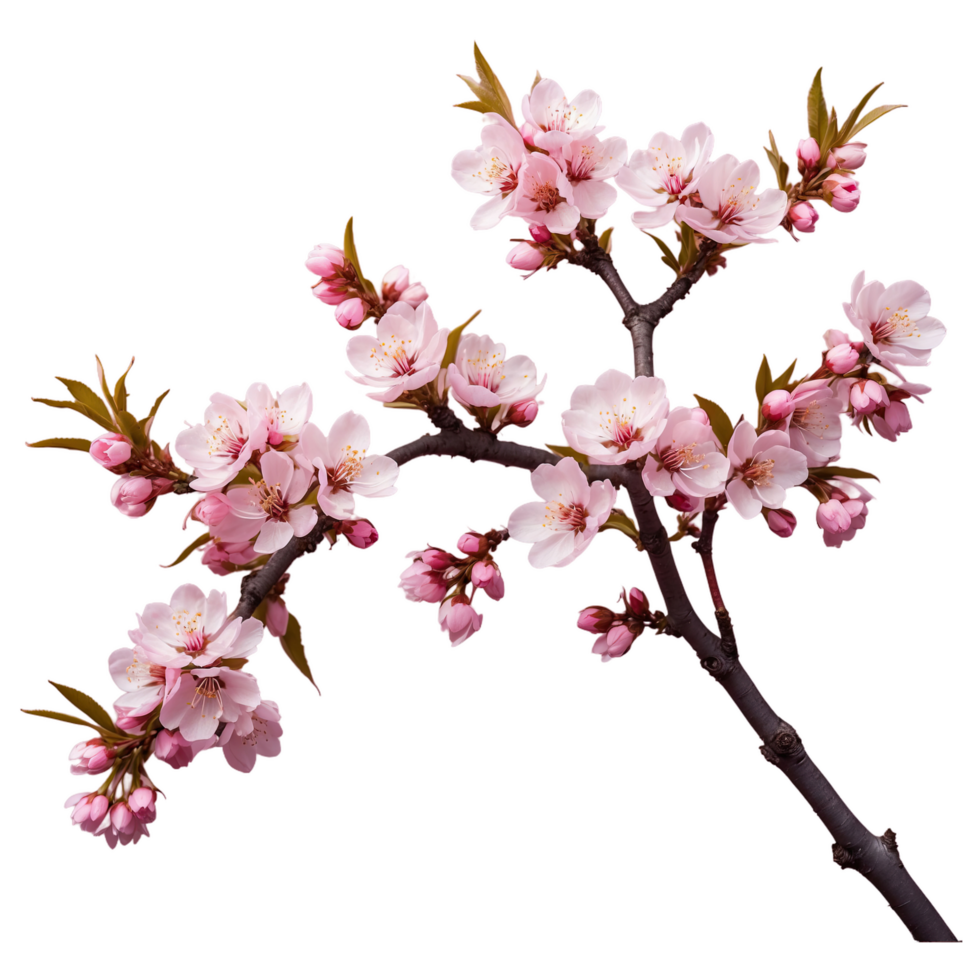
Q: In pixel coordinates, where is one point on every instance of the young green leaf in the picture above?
(605, 241)
(845, 132)
(105, 386)
(83, 445)
(452, 342)
(85, 704)
(537, 78)
(96, 417)
(873, 115)
(783, 379)
(828, 472)
(816, 108)
(763, 380)
(147, 423)
(689, 246)
(292, 643)
(720, 422)
(618, 521)
(87, 398)
(668, 256)
(193, 546)
(350, 253)
(70, 719)
(120, 394)
(579, 458)
(490, 94)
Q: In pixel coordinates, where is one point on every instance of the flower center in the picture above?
(340, 477)
(142, 675)
(582, 166)
(739, 198)
(759, 471)
(670, 171)
(484, 370)
(188, 629)
(226, 439)
(898, 325)
(209, 689)
(501, 176)
(677, 457)
(270, 500)
(545, 195)
(562, 118)
(811, 417)
(620, 429)
(559, 516)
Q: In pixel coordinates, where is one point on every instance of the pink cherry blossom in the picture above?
(832, 517)
(850, 156)
(686, 458)
(123, 827)
(867, 396)
(492, 170)
(219, 449)
(617, 419)
(815, 426)
(588, 164)
(141, 680)
(733, 210)
(544, 196)
(406, 354)
(854, 499)
(660, 176)
(804, 216)
(424, 580)
(343, 467)
(88, 810)
(142, 802)
(270, 508)
(471, 544)
(199, 699)
(762, 468)
(781, 522)
(459, 619)
(279, 417)
(110, 449)
(614, 643)
(892, 420)
(526, 256)
(894, 321)
(191, 628)
(554, 121)
(486, 575)
(224, 557)
(177, 751)
(637, 600)
(562, 527)
(252, 734)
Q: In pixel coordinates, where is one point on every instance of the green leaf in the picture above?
(292, 643)
(193, 546)
(151, 417)
(783, 379)
(132, 428)
(452, 342)
(105, 386)
(845, 133)
(873, 115)
(399, 405)
(88, 706)
(668, 257)
(762, 383)
(350, 253)
(579, 458)
(83, 445)
(537, 78)
(828, 472)
(605, 241)
(618, 521)
(71, 719)
(88, 399)
(101, 420)
(816, 108)
(774, 162)
(830, 136)
(120, 395)
(689, 246)
(720, 422)
(488, 90)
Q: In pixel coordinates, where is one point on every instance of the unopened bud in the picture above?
(540, 233)
(110, 449)
(833, 517)
(472, 544)
(808, 154)
(804, 216)
(868, 396)
(846, 194)
(360, 533)
(781, 522)
(777, 405)
(350, 314)
(842, 358)
(638, 602)
(850, 156)
(596, 619)
(522, 413)
(525, 256)
(326, 260)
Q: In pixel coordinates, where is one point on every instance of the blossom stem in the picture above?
(703, 546)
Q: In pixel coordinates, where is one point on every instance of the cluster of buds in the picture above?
(618, 630)
(121, 822)
(341, 285)
(141, 479)
(439, 576)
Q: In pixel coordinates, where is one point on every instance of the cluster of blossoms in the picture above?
(553, 171)
(439, 576)
(618, 630)
(184, 692)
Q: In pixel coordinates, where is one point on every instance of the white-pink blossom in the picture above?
(544, 196)
(762, 469)
(396, 286)
(573, 510)
(282, 415)
(665, 172)
(492, 170)
(343, 466)
(406, 354)
(734, 210)
(219, 449)
(459, 619)
(252, 734)
(199, 699)
(686, 458)
(617, 419)
(894, 321)
(814, 426)
(191, 628)
(270, 508)
(588, 164)
(553, 121)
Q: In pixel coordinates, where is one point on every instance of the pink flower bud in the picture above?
(458, 618)
(360, 533)
(174, 749)
(436, 559)
(414, 295)
(781, 522)
(845, 191)
(350, 314)
(130, 723)
(893, 421)
(222, 557)
(522, 413)
(330, 293)
(326, 260)
(212, 509)
(867, 396)
(129, 495)
(850, 156)
(834, 338)
(614, 643)
(808, 154)
(142, 802)
(833, 517)
(100, 807)
(394, 282)
(472, 544)
(525, 256)
(540, 233)
(486, 575)
(680, 501)
(804, 216)
(121, 817)
(276, 617)
(638, 602)
(422, 584)
(777, 405)
(842, 358)
(110, 449)
(595, 619)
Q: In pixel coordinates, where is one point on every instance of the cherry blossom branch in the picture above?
(640, 319)
(703, 546)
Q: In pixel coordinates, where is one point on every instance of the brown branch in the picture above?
(703, 546)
